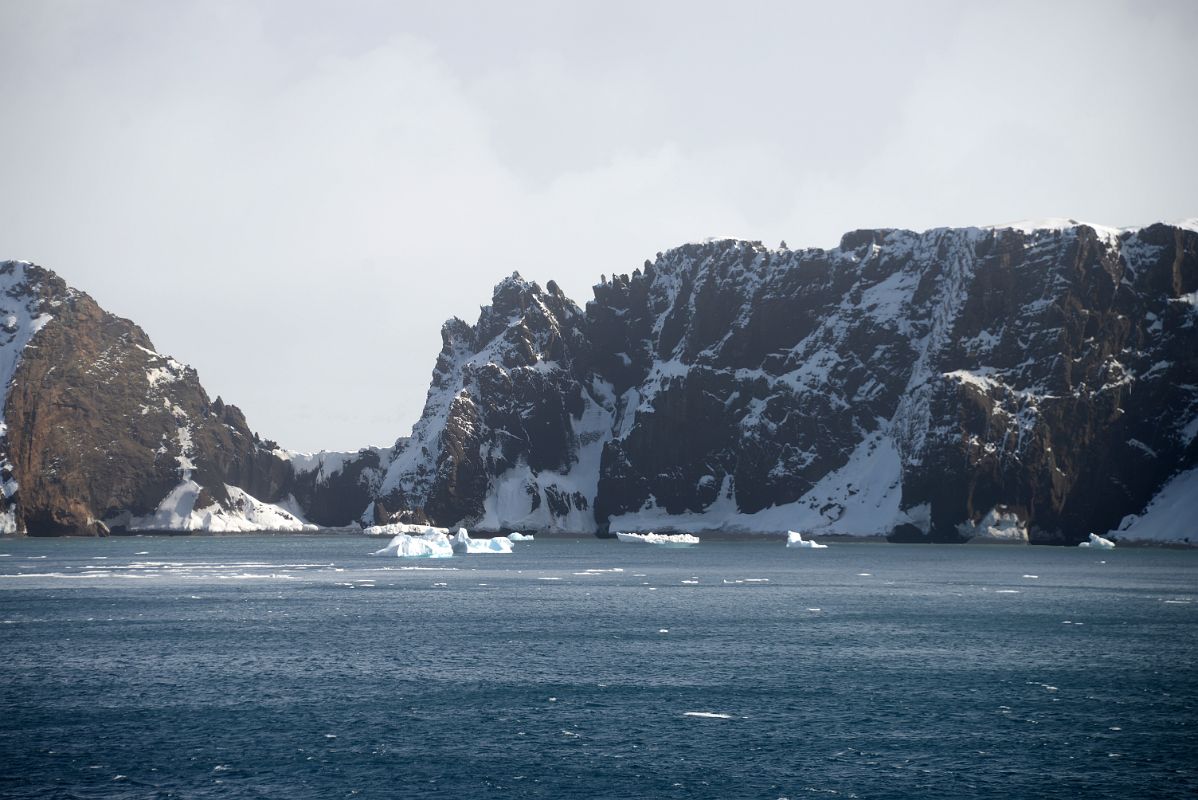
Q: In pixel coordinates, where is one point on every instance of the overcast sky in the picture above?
(293, 196)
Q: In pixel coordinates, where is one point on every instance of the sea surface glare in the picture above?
(301, 667)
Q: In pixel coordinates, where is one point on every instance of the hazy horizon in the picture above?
(293, 198)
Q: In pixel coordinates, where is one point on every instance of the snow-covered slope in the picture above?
(908, 384)
(1170, 516)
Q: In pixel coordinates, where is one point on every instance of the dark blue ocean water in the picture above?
(299, 667)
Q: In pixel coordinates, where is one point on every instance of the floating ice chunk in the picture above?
(795, 539)
(669, 540)
(463, 544)
(706, 715)
(997, 527)
(516, 536)
(430, 544)
(1098, 541)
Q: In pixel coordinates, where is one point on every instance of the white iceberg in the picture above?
(430, 544)
(464, 545)
(1099, 542)
(795, 539)
(668, 540)
(999, 526)
(516, 536)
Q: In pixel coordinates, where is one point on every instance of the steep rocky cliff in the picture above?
(1020, 382)
(102, 432)
(919, 385)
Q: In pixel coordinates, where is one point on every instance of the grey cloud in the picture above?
(293, 196)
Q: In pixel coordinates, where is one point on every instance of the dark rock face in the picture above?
(903, 384)
(334, 491)
(101, 427)
(507, 399)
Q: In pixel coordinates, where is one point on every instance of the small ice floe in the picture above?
(1099, 542)
(142, 553)
(706, 715)
(664, 630)
(1031, 576)
(795, 539)
(690, 582)
(516, 536)
(430, 544)
(664, 539)
(1007, 591)
(464, 545)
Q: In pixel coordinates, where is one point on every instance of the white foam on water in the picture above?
(706, 715)
(692, 583)
(1007, 591)
(1031, 576)
(757, 580)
